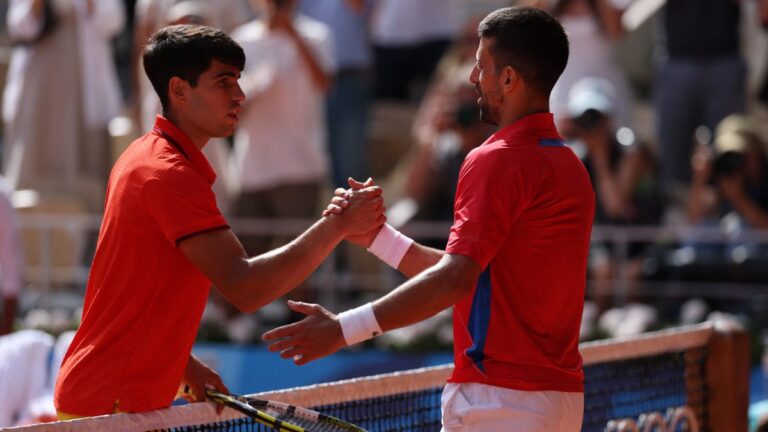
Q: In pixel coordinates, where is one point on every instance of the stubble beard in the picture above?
(488, 114)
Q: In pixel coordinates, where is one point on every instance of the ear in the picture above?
(509, 79)
(177, 91)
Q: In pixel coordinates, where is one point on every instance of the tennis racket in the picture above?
(283, 417)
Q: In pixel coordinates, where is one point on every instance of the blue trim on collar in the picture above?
(551, 142)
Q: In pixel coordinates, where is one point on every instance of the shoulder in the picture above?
(498, 155)
(312, 29)
(248, 32)
(149, 159)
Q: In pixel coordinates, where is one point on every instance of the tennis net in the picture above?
(703, 368)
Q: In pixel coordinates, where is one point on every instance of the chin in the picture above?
(486, 117)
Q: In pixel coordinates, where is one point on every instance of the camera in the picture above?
(727, 164)
(589, 119)
(467, 114)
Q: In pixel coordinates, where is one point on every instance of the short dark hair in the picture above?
(186, 51)
(531, 41)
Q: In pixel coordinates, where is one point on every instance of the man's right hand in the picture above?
(363, 210)
(341, 201)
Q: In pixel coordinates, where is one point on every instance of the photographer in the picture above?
(622, 173)
(730, 180)
(432, 177)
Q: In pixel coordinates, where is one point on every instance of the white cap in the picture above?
(591, 94)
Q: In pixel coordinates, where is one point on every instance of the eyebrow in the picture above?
(228, 75)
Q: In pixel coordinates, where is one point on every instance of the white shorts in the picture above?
(480, 408)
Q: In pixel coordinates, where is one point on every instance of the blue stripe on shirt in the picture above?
(479, 318)
(551, 142)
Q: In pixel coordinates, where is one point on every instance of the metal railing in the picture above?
(49, 237)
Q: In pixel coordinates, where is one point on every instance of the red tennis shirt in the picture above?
(144, 299)
(523, 210)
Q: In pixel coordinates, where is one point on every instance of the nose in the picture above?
(473, 76)
(238, 94)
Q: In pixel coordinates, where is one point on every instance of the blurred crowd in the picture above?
(664, 101)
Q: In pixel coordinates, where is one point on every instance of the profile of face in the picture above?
(214, 105)
(485, 77)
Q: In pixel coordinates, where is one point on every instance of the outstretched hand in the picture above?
(314, 337)
(341, 201)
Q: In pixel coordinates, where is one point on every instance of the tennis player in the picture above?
(163, 241)
(515, 264)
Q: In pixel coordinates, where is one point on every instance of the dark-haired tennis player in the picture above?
(163, 241)
(515, 264)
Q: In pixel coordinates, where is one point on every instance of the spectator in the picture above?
(24, 357)
(623, 177)
(459, 56)
(432, 178)
(409, 38)
(70, 154)
(349, 97)
(701, 78)
(593, 26)
(279, 162)
(730, 188)
(11, 258)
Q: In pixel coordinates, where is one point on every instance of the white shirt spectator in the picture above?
(24, 358)
(282, 136)
(410, 22)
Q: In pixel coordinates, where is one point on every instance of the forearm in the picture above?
(611, 19)
(751, 212)
(419, 258)
(423, 296)
(609, 190)
(700, 202)
(9, 315)
(320, 79)
(265, 278)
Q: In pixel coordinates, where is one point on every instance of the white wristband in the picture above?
(359, 324)
(390, 245)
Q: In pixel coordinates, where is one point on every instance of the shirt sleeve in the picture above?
(320, 39)
(22, 22)
(181, 204)
(492, 192)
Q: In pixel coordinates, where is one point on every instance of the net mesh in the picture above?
(623, 379)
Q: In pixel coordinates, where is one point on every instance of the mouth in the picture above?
(234, 114)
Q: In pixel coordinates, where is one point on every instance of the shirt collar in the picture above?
(538, 125)
(179, 140)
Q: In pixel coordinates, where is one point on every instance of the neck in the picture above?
(527, 105)
(198, 137)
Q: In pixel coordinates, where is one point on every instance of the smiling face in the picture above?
(214, 105)
(485, 77)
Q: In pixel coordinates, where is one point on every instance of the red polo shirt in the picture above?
(523, 210)
(144, 299)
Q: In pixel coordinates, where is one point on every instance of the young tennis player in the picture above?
(515, 264)
(163, 241)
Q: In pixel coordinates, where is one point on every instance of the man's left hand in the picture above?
(316, 336)
(197, 378)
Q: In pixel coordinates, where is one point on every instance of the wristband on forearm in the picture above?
(390, 245)
(359, 324)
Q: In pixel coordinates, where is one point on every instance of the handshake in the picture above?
(359, 211)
